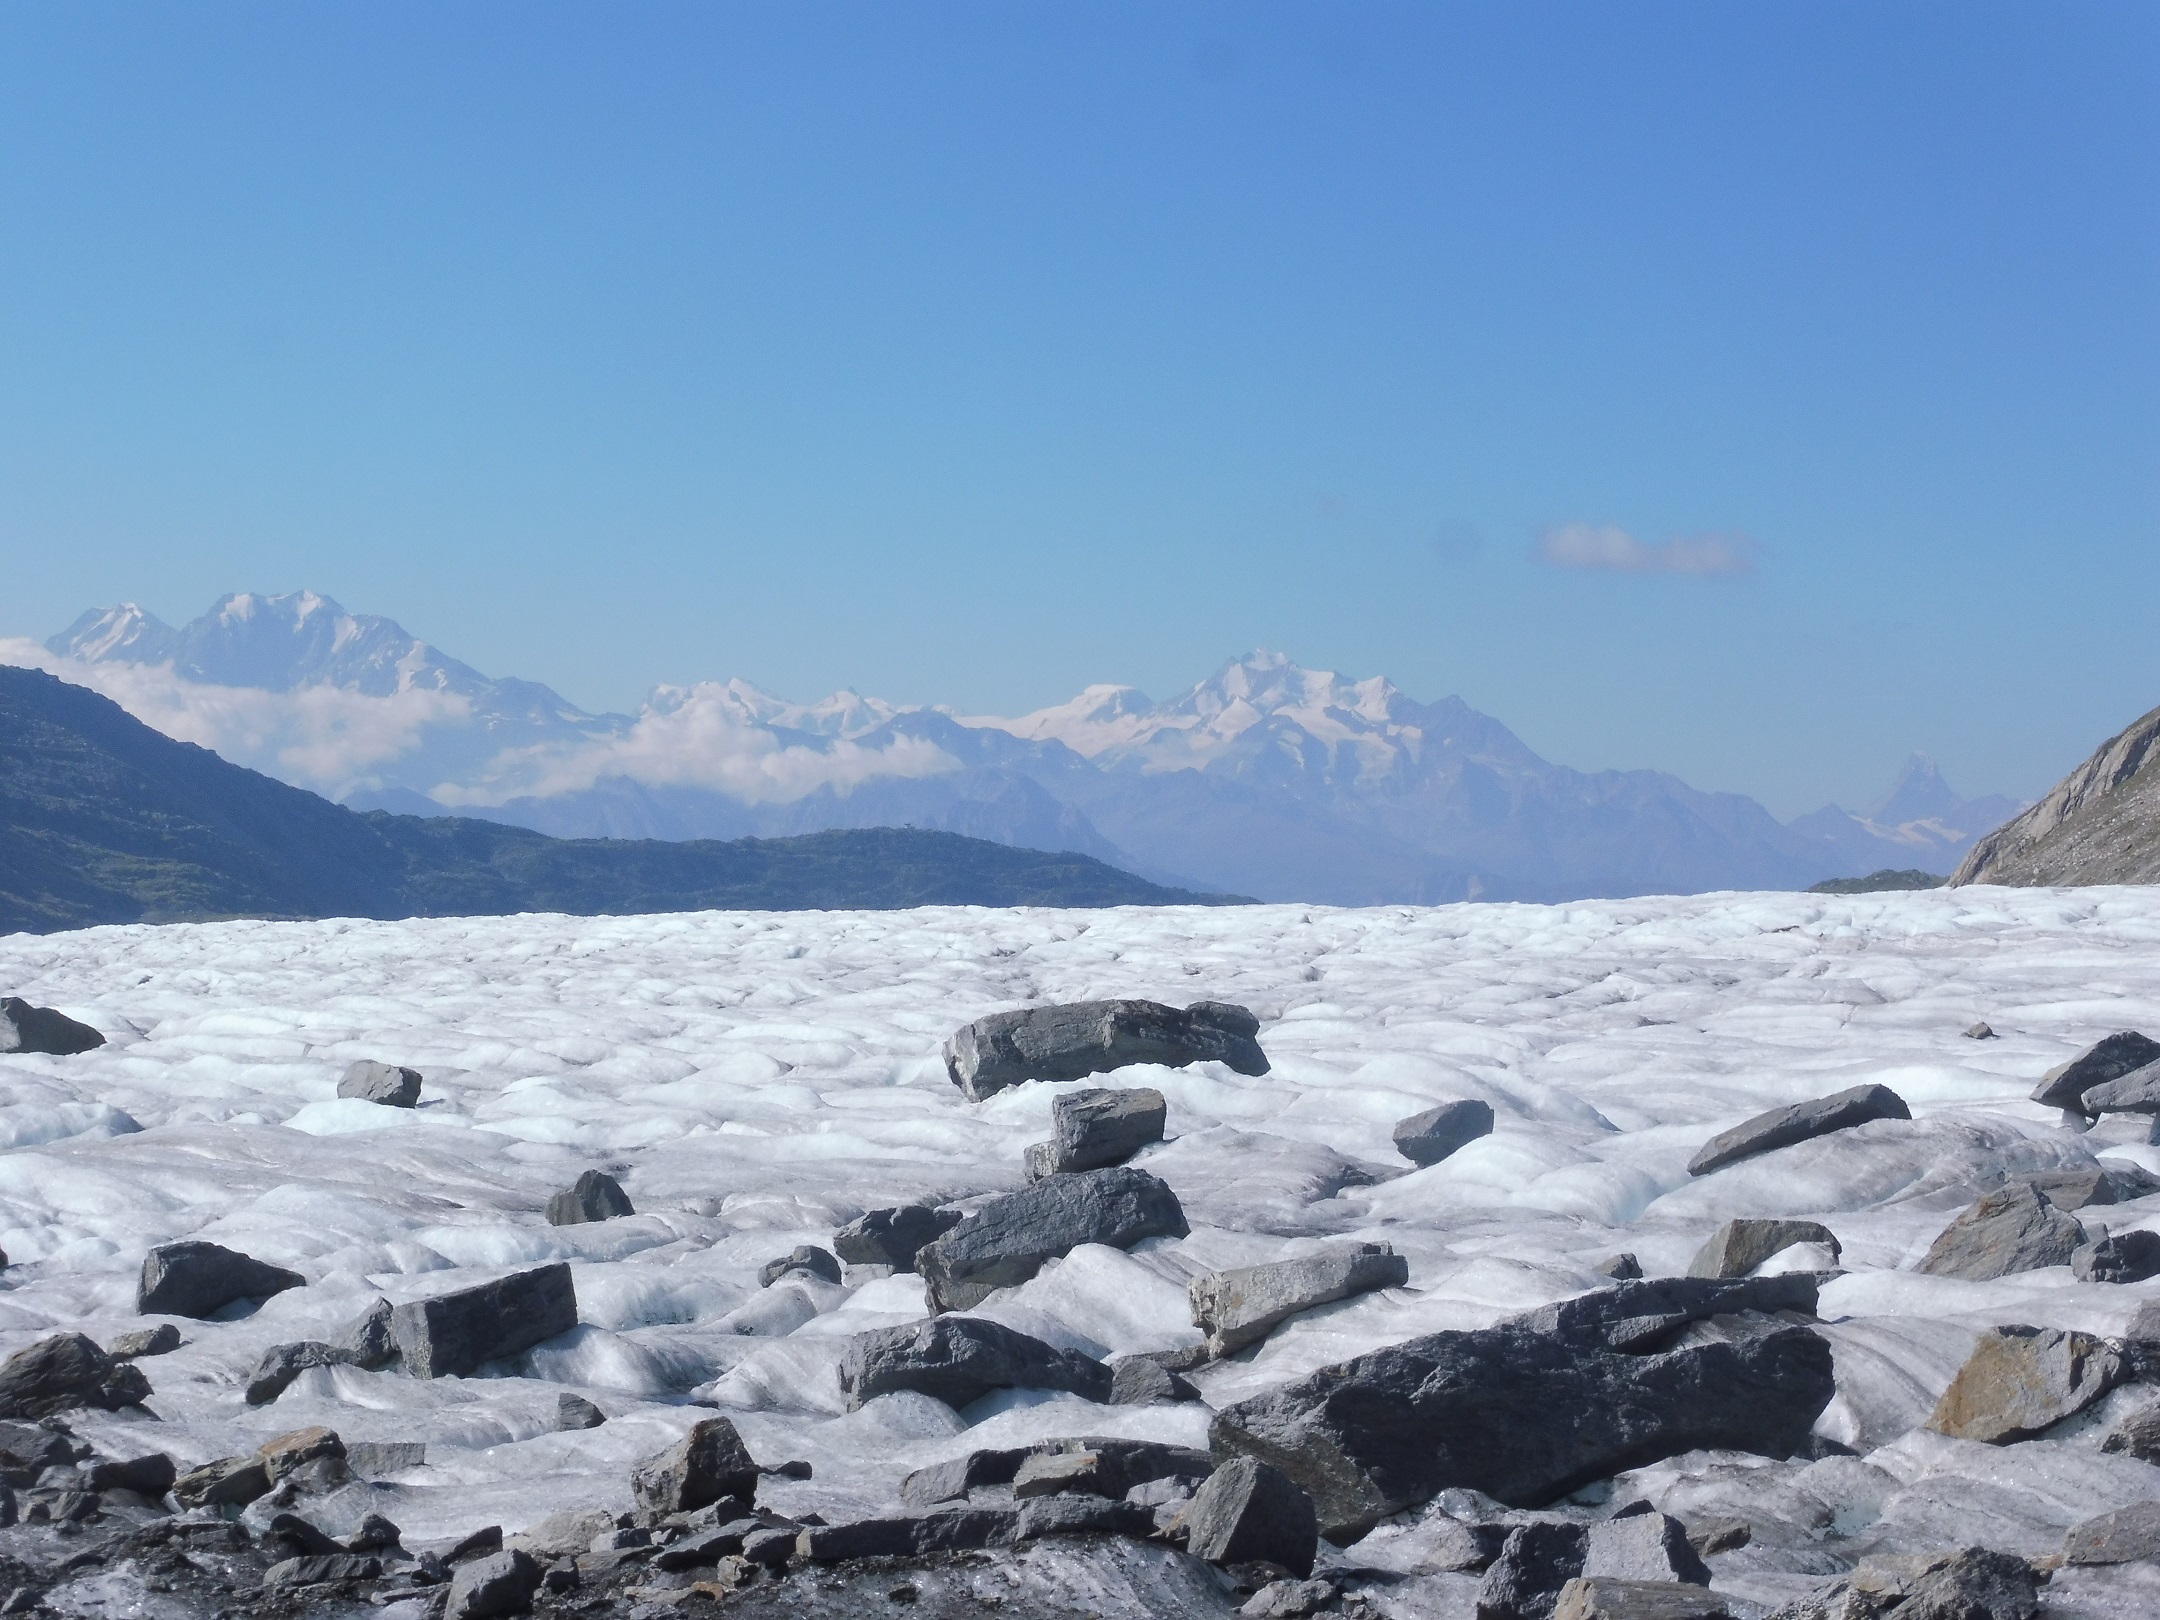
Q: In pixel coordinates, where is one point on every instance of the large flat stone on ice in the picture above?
(1240, 1307)
(892, 1237)
(1427, 1138)
(958, 1359)
(2012, 1229)
(199, 1279)
(1092, 1129)
(454, 1333)
(24, 1028)
(1008, 1239)
(1079, 1038)
(2109, 1058)
(1801, 1122)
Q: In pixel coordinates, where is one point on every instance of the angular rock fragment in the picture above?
(2126, 1536)
(1535, 1407)
(1427, 1138)
(288, 1453)
(2012, 1229)
(707, 1464)
(1525, 1581)
(1601, 1597)
(371, 1459)
(1106, 1467)
(1080, 1515)
(891, 1237)
(502, 1583)
(151, 1474)
(1979, 1032)
(576, 1412)
(1241, 1307)
(230, 1481)
(1648, 1546)
(1143, 1381)
(66, 1371)
(1801, 1122)
(383, 1083)
(1290, 1600)
(1250, 1510)
(1077, 1039)
(1739, 1246)
(2138, 1434)
(374, 1533)
(807, 1259)
(24, 1028)
(594, 1196)
(454, 1333)
(2072, 1190)
(367, 1340)
(950, 1530)
(1619, 1267)
(199, 1279)
(161, 1340)
(2125, 1257)
(2065, 1085)
(1710, 1537)
(2020, 1380)
(282, 1363)
(959, 1359)
(1093, 1129)
(324, 1568)
(300, 1538)
(1008, 1239)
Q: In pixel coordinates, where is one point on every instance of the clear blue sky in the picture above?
(973, 353)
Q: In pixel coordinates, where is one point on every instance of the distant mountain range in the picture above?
(1266, 779)
(103, 820)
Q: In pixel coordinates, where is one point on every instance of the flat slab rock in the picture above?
(1801, 1122)
(458, 1332)
(959, 1359)
(199, 1279)
(1541, 1405)
(2012, 1229)
(1008, 1239)
(1240, 1307)
(1076, 1039)
(24, 1028)
(1093, 1129)
(2020, 1380)
(1102, 1465)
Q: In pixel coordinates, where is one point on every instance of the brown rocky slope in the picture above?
(2099, 824)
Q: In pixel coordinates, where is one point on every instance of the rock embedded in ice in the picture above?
(576, 1412)
(1979, 1032)
(708, 1464)
(150, 1474)
(300, 1538)
(1081, 1515)
(374, 1533)
(1008, 1239)
(2065, 1085)
(2137, 1434)
(1241, 1307)
(1545, 1403)
(2128, 1535)
(384, 1083)
(949, 1530)
(1801, 1122)
(2137, 1092)
(2124, 1257)
(1619, 1267)
(199, 1279)
(1739, 1246)
(1290, 1600)
(1144, 1381)
(2012, 1229)
(806, 1258)
(2020, 1380)
(501, 1584)
(1427, 1138)
(161, 1340)
(595, 1196)
(371, 1459)
(1097, 1128)
(319, 1569)
(228, 1482)
(1076, 1039)
(367, 1340)
(1644, 1546)
(282, 1363)
(457, 1332)
(891, 1237)
(24, 1028)
(1599, 1597)
(66, 1371)
(1105, 1467)
(2076, 1189)
(1251, 1510)
(288, 1453)
(959, 1359)
(1535, 1563)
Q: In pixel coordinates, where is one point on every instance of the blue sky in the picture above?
(1753, 391)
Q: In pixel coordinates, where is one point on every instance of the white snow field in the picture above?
(757, 1079)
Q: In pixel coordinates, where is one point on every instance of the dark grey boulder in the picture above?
(322, 1569)
(366, 1341)
(1739, 1246)
(282, 1363)
(1801, 1122)
(371, 1459)
(1605, 1597)
(24, 1028)
(959, 1359)
(1106, 1466)
(1080, 1515)
(500, 1584)
(1619, 1267)
(907, 1536)
(66, 1371)
(576, 1412)
(1241, 1307)
(161, 1340)
(455, 1333)
(2137, 1434)
(1249, 1510)
(2012, 1229)
(383, 1083)
(1291, 1600)
(1535, 1562)
(708, 1464)
(2125, 1257)
(2073, 1190)
(891, 1237)
(1008, 1239)
(2137, 1092)
(1645, 1546)
(1979, 1032)
(1095, 1128)
(1144, 1381)
(1541, 1405)
(807, 1259)
(199, 1279)
(373, 1533)
(2065, 1085)
(300, 1538)
(1080, 1038)
(594, 1196)
(1429, 1137)
(228, 1482)
(151, 1474)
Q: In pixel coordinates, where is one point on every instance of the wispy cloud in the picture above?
(1607, 547)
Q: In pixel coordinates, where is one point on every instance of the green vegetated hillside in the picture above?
(103, 820)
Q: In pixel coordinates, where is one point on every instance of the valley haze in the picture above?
(1266, 779)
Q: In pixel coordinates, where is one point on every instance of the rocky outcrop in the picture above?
(1093, 1129)
(2020, 1380)
(594, 1196)
(199, 1279)
(2012, 1229)
(959, 1359)
(457, 1332)
(1080, 1038)
(1249, 1510)
(67, 1371)
(1801, 1122)
(1008, 1239)
(1739, 1246)
(24, 1028)
(2099, 824)
(2109, 1058)
(1427, 1138)
(1241, 1307)
(892, 1237)
(1538, 1406)
(384, 1083)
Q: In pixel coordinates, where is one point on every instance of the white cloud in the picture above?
(1612, 549)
